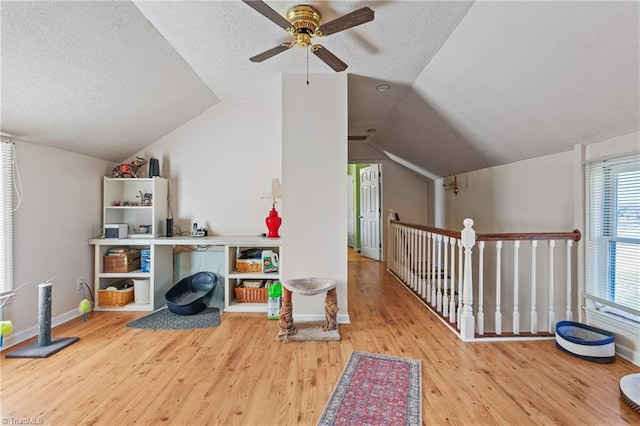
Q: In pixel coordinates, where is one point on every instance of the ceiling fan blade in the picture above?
(266, 11)
(271, 52)
(347, 21)
(328, 58)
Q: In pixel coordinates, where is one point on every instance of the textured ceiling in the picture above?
(92, 77)
(518, 80)
(472, 84)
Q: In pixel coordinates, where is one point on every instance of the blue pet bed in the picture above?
(191, 294)
(586, 342)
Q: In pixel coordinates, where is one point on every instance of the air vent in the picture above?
(358, 138)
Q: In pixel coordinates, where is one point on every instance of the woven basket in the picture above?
(249, 265)
(119, 297)
(251, 295)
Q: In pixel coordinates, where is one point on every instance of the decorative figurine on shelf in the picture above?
(128, 170)
(145, 198)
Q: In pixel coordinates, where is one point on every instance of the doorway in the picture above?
(364, 209)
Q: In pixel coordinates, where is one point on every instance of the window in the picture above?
(6, 217)
(613, 232)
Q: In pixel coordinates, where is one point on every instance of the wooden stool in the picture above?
(307, 287)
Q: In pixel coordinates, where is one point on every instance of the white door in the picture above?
(350, 213)
(370, 211)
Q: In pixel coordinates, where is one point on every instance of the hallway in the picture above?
(354, 256)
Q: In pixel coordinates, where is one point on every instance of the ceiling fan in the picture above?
(303, 24)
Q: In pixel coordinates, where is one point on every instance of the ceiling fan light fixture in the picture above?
(382, 87)
(303, 23)
(304, 17)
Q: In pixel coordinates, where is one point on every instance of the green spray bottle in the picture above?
(275, 300)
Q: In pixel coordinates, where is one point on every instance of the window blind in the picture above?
(613, 232)
(6, 217)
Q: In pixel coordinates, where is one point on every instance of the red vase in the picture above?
(273, 222)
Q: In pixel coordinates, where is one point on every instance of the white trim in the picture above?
(614, 320)
(342, 318)
(579, 155)
(30, 332)
(618, 325)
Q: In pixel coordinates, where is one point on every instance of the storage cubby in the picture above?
(136, 202)
(235, 276)
(160, 274)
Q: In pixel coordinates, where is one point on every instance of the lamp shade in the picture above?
(274, 190)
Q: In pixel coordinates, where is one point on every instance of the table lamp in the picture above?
(273, 221)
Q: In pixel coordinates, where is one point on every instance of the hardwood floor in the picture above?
(354, 256)
(238, 374)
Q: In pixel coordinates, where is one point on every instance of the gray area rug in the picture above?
(164, 319)
(311, 331)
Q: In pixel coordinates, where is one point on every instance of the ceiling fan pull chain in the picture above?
(308, 66)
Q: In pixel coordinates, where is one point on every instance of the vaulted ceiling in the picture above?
(472, 84)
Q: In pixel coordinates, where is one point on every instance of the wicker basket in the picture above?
(249, 265)
(251, 295)
(119, 297)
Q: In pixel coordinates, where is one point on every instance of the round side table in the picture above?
(307, 287)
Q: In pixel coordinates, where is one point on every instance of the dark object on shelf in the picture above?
(154, 167)
(192, 294)
(250, 254)
(169, 232)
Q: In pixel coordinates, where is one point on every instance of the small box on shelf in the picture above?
(121, 260)
(145, 260)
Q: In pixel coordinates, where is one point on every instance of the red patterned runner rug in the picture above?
(376, 390)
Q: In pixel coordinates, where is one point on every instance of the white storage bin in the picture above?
(141, 291)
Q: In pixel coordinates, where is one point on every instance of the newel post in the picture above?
(467, 321)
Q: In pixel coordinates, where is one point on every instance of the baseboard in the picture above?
(26, 334)
(342, 318)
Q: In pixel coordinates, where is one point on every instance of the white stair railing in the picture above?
(452, 299)
(425, 259)
(481, 288)
(498, 314)
(466, 320)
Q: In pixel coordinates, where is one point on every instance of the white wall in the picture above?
(525, 196)
(219, 165)
(534, 195)
(60, 211)
(405, 193)
(314, 189)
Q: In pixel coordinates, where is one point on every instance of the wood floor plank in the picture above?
(238, 374)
